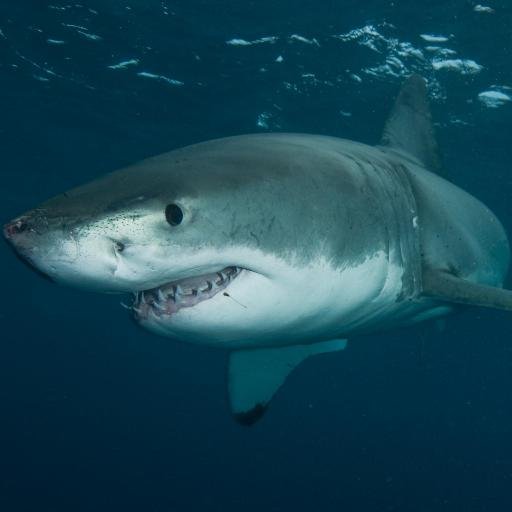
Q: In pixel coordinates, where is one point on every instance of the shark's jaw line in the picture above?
(167, 299)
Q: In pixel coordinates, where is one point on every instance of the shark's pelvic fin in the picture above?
(255, 375)
(447, 287)
(409, 127)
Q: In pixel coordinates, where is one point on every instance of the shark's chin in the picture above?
(169, 298)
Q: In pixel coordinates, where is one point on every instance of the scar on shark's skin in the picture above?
(226, 294)
(277, 247)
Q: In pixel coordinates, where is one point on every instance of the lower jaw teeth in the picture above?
(159, 306)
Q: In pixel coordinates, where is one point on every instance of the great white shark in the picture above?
(277, 246)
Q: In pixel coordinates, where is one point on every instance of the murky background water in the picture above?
(98, 415)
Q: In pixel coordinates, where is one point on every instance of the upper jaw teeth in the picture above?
(170, 297)
(221, 278)
(209, 286)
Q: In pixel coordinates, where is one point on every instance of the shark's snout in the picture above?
(95, 249)
(25, 226)
(22, 233)
(16, 227)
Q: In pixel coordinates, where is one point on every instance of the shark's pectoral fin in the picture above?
(409, 127)
(255, 375)
(444, 286)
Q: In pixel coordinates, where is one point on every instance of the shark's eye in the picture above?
(173, 214)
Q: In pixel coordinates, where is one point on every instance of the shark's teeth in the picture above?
(221, 279)
(171, 297)
(209, 286)
(159, 306)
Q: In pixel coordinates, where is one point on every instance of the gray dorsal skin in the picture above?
(441, 285)
(409, 127)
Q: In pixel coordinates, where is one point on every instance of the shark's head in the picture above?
(217, 242)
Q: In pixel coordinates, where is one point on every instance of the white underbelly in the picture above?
(296, 304)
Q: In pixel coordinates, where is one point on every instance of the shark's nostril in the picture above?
(15, 227)
(119, 246)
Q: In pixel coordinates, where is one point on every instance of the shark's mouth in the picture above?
(169, 298)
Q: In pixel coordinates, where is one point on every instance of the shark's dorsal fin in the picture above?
(409, 127)
(444, 286)
(255, 375)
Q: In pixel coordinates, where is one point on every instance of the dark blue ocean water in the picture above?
(97, 415)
